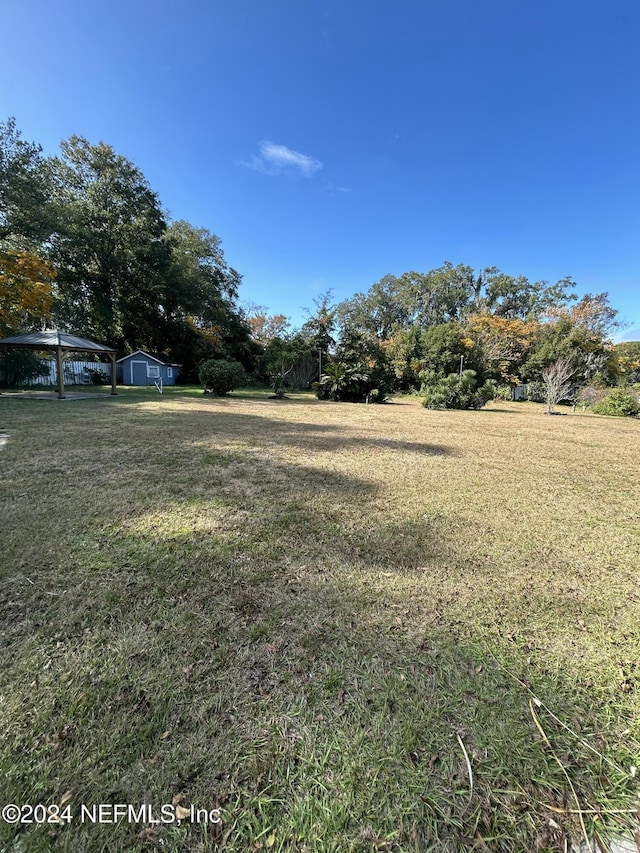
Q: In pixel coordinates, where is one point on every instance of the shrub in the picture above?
(619, 403)
(279, 387)
(536, 392)
(340, 381)
(589, 396)
(351, 383)
(457, 392)
(98, 377)
(19, 368)
(500, 392)
(220, 377)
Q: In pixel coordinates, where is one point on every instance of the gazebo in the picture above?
(62, 342)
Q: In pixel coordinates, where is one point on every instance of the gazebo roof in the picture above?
(53, 339)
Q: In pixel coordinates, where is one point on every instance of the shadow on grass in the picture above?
(268, 431)
(273, 640)
(292, 697)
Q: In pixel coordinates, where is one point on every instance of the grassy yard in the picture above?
(345, 627)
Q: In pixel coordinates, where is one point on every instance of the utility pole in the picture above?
(319, 364)
(461, 363)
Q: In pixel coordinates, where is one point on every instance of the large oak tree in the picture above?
(108, 246)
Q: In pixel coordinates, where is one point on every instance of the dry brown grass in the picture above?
(320, 602)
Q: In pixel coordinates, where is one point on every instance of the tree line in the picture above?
(425, 327)
(85, 246)
(458, 337)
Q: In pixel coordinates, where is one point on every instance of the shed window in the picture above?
(169, 372)
(153, 371)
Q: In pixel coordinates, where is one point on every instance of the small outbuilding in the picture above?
(144, 368)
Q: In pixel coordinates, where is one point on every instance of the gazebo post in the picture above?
(113, 374)
(60, 373)
(59, 342)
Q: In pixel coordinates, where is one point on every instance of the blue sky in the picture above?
(330, 143)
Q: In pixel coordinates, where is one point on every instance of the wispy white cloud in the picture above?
(278, 159)
(333, 190)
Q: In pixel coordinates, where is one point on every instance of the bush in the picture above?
(19, 368)
(457, 392)
(619, 403)
(98, 377)
(219, 376)
(535, 392)
(279, 387)
(590, 396)
(501, 392)
(352, 383)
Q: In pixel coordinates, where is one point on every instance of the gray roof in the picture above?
(52, 340)
(153, 356)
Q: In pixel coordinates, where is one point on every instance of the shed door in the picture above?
(138, 372)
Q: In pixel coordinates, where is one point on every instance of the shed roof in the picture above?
(161, 359)
(53, 339)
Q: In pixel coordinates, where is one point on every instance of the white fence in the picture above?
(74, 372)
(520, 392)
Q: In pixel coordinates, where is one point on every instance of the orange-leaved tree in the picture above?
(264, 326)
(26, 293)
(592, 313)
(504, 342)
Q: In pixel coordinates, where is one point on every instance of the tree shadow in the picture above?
(268, 431)
(270, 636)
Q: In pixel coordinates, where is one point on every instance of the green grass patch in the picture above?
(346, 627)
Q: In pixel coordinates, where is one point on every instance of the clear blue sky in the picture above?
(330, 142)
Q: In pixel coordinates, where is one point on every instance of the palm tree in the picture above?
(338, 379)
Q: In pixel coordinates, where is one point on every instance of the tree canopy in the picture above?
(26, 294)
(25, 210)
(504, 327)
(108, 245)
(86, 244)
